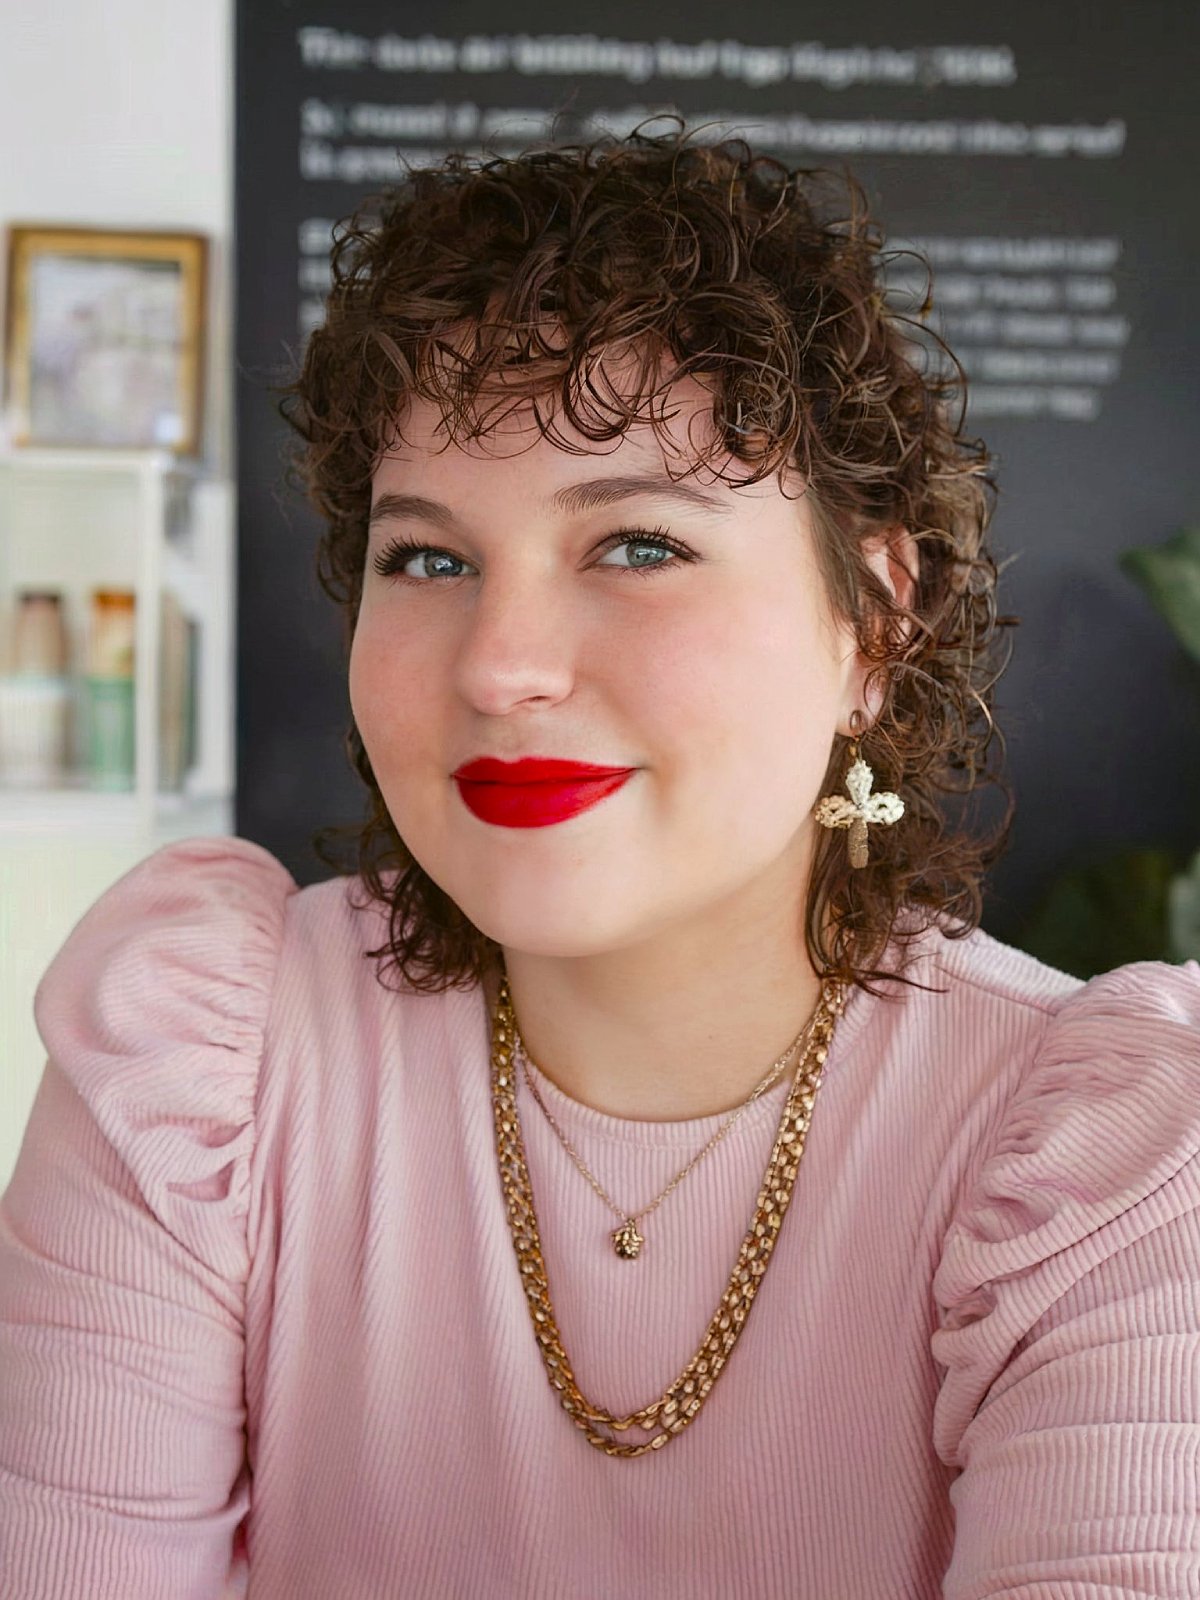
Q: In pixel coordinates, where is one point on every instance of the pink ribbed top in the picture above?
(262, 1328)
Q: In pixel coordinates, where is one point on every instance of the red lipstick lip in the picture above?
(540, 803)
(533, 769)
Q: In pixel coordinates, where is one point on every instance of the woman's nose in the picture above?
(520, 641)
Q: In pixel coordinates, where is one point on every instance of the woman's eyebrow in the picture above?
(594, 493)
(590, 495)
(392, 506)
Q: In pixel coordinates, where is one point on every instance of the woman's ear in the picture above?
(893, 556)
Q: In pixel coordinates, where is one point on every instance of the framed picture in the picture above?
(104, 334)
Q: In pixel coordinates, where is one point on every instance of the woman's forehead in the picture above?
(676, 439)
(570, 482)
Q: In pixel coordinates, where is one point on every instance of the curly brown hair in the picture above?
(768, 283)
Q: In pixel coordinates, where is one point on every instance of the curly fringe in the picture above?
(767, 283)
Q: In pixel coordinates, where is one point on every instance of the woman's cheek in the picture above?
(367, 681)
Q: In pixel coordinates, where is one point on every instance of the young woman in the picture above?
(640, 1176)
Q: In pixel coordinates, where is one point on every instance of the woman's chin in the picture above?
(519, 936)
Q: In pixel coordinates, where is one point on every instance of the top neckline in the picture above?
(587, 1122)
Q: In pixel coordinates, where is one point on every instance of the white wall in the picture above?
(119, 113)
(112, 113)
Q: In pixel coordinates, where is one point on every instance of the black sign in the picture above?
(1042, 158)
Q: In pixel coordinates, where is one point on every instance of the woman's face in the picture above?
(543, 619)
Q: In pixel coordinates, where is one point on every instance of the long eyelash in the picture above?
(397, 551)
(652, 536)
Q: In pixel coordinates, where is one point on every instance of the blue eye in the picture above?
(657, 539)
(397, 553)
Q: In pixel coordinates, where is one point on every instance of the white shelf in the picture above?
(26, 812)
(150, 521)
(42, 458)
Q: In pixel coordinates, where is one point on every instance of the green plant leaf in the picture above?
(1170, 575)
(1103, 912)
(1183, 907)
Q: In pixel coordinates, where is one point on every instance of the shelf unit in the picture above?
(76, 520)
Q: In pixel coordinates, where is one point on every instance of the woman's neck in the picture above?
(638, 1035)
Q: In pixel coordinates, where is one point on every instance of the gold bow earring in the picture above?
(863, 807)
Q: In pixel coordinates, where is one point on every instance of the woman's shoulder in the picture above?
(173, 981)
(1069, 1100)
(152, 1013)
(196, 922)
(163, 1003)
(1066, 1283)
(1110, 1076)
(1096, 1134)
(210, 944)
(976, 972)
(201, 921)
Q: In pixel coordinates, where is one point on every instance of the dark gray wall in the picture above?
(1046, 158)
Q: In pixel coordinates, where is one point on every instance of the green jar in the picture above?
(111, 745)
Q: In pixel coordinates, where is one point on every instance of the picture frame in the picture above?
(104, 338)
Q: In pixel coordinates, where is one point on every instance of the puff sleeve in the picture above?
(123, 1237)
(1067, 1305)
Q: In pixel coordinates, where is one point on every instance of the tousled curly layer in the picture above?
(485, 284)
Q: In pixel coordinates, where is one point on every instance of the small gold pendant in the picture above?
(627, 1241)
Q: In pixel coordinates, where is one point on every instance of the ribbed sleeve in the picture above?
(1068, 1299)
(123, 1237)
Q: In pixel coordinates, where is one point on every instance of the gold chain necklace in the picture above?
(681, 1402)
(627, 1241)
